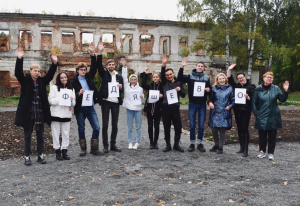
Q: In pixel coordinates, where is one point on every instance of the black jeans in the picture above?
(155, 118)
(39, 137)
(106, 107)
(171, 114)
(242, 119)
(267, 136)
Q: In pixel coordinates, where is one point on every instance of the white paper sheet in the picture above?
(153, 96)
(87, 99)
(135, 98)
(239, 95)
(65, 97)
(172, 96)
(199, 89)
(113, 89)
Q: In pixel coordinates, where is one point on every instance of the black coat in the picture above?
(23, 113)
(249, 90)
(152, 86)
(89, 79)
(106, 78)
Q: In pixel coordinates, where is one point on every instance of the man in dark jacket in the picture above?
(171, 112)
(33, 108)
(108, 103)
(196, 103)
(83, 81)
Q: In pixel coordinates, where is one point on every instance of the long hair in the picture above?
(60, 85)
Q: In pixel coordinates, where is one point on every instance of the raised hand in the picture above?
(100, 47)
(164, 59)
(184, 62)
(147, 70)
(20, 52)
(54, 57)
(231, 66)
(211, 105)
(92, 48)
(286, 85)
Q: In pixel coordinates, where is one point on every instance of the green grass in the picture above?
(9, 101)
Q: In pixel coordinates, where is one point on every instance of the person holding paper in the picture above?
(267, 113)
(133, 98)
(153, 108)
(108, 101)
(61, 114)
(220, 102)
(242, 111)
(33, 108)
(172, 90)
(198, 90)
(83, 82)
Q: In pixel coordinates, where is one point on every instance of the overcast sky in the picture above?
(139, 9)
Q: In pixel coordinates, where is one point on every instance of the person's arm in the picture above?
(211, 100)
(73, 103)
(180, 76)
(53, 97)
(231, 100)
(229, 70)
(283, 96)
(254, 103)
(145, 78)
(93, 69)
(164, 60)
(125, 75)
(181, 91)
(50, 74)
(19, 66)
(99, 64)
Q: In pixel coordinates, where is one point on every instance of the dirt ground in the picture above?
(12, 144)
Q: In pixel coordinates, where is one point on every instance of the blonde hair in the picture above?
(81, 65)
(156, 73)
(35, 66)
(268, 73)
(217, 81)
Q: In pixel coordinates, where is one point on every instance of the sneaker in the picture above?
(201, 148)
(220, 150)
(135, 146)
(130, 146)
(214, 148)
(191, 148)
(41, 159)
(261, 154)
(27, 160)
(271, 157)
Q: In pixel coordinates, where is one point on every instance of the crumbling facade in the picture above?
(141, 41)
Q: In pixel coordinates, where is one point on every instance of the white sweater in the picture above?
(55, 108)
(128, 90)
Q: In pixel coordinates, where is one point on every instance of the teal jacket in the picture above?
(265, 107)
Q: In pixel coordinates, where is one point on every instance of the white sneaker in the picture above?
(271, 157)
(130, 146)
(135, 146)
(261, 154)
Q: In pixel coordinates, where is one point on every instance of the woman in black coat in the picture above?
(153, 109)
(242, 111)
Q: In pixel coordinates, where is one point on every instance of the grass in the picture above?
(293, 99)
(9, 101)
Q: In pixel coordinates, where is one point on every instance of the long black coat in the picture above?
(26, 97)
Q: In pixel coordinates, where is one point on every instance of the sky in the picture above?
(139, 9)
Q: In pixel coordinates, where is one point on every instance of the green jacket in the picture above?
(265, 107)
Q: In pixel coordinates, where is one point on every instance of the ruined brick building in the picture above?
(141, 41)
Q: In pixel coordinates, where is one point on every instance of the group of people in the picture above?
(162, 101)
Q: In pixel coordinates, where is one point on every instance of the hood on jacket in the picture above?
(134, 75)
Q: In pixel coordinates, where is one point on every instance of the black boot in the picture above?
(168, 148)
(152, 146)
(115, 148)
(214, 148)
(58, 154)
(191, 148)
(82, 143)
(176, 147)
(64, 154)
(105, 150)
(246, 143)
(95, 147)
(220, 150)
(241, 140)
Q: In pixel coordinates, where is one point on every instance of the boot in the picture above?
(246, 143)
(168, 148)
(214, 148)
(220, 150)
(95, 147)
(176, 147)
(241, 140)
(58, 154)
(64, 154)
(191, 148)
(114, 148)
(105, 150)
(82, 143)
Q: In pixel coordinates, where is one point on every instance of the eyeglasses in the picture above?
(241, 78)
(82, 70)
(268, 77)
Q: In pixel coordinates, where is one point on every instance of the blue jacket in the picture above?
(221, 97)
(190, 80)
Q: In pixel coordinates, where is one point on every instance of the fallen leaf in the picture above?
(231, 200)
(160, 202)
(175, 204)
(285, 182)
(245, 191)
(207, 172)
(71, 197)
(24, 177)
(200, 183)
(174, 195)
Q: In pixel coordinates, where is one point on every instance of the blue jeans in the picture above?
(193, 108)
(137, 115)
(89, 113)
